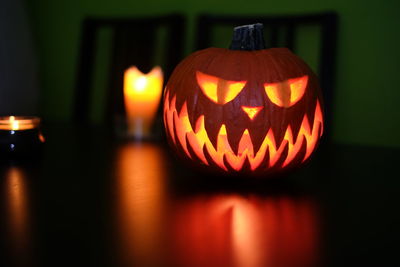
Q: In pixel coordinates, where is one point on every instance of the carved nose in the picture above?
(251, 111)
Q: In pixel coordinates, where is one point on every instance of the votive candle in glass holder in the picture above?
(20, 136)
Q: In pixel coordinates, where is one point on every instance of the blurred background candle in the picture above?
(142, 94)
(20, 136)
(13, 123)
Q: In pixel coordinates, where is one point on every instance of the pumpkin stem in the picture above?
(248, 37)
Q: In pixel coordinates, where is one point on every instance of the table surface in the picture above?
(91, 200)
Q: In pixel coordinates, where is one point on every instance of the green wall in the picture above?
(368, 65)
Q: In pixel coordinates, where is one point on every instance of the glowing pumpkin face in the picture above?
(243, 111)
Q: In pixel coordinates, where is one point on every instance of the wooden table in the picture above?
(92, 201)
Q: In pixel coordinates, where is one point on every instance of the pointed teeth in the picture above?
(234, 134)
(222, 130)
(199, 124)
(245, 144)
(195, 141)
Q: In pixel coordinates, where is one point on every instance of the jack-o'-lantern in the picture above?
(245, 109)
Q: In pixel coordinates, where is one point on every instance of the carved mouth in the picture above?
(196, 143)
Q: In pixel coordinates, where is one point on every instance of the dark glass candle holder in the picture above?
(20, 137)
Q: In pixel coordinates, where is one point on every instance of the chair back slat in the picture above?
(290, 36)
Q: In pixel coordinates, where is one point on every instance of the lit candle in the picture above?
(18, 123)
(19, 136)
(142, 94)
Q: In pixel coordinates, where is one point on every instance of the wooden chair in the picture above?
(133, 42)
(282, 33)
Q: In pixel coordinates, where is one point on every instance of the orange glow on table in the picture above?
(18, 220)
(141, 199)
(16, 123)
(142, 94)
(251, 231)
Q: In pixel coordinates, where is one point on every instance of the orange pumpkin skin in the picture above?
(250, 112)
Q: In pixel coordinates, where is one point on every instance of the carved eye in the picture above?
(286, 93)
(219, 90)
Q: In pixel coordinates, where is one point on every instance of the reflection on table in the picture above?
(235, 230)
(157, 228)
(95, 201)
(16, 215)
(141, 201)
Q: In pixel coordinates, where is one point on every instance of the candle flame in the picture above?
(14, 124)
(140, 84)
(139, 87)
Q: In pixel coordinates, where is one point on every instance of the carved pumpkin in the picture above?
(244, 109)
